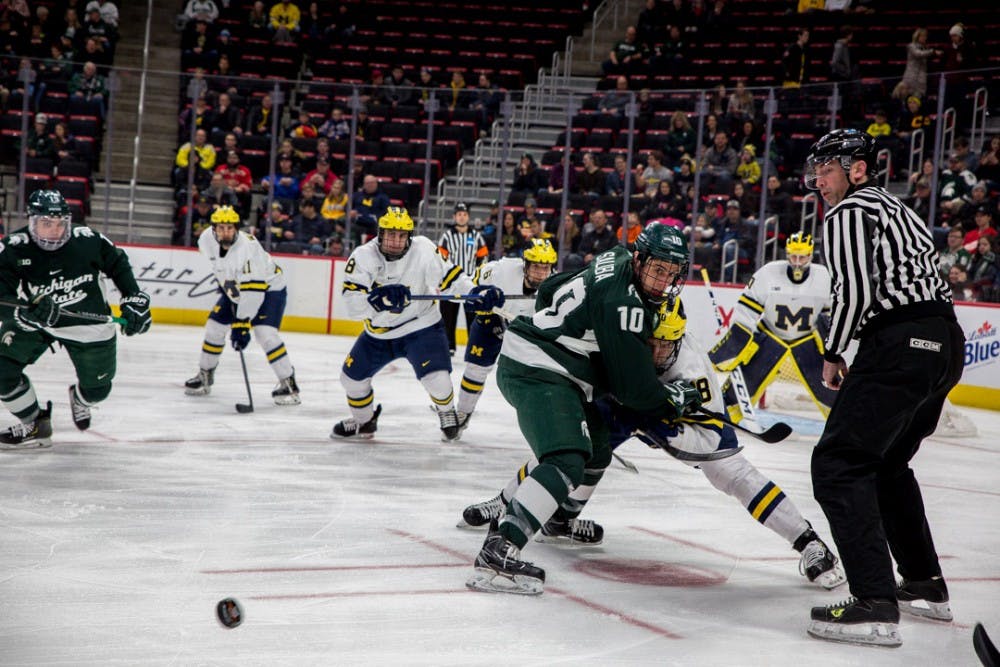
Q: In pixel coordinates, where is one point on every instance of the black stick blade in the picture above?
(985, 649)
(243, 408)
(776, 433)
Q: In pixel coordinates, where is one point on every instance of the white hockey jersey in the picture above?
(422, 269)
(507, 273)
(787, 309)
(247, 265)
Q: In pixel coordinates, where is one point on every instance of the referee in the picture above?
(888, 294)
(464, 247)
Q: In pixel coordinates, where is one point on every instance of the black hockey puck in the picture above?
(230, 612)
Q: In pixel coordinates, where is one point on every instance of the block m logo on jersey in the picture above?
(787, 320)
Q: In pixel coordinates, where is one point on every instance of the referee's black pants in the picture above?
(889, 402)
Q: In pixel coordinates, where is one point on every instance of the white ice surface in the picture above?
(116, 544)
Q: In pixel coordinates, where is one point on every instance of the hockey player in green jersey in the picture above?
(588, 337)
(56, 268)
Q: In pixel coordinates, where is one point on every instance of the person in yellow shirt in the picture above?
(880, 127)
(335, 205)
(285, 17)
(748, 170)
(811, 6)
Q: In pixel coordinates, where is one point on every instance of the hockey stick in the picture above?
(244, 408)
(628, 465)
(736, 375)
(682, 455)
(464, 297)
(93, 317)
(987, 652)
(775, 433)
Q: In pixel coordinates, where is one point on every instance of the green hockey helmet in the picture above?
(662, 256)
(48, 219)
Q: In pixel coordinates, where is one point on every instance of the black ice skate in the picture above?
(927, 598)
(873, 622)
(499, 568)
(200, 384)
(562, 529)
(480, 514)
(287, 392)
(349, 428)
(818, 563)
(450, 429)
(81, 411)
(30, 436)
(463, 422)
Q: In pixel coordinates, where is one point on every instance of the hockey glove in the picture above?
(393, 298)
(232, 290)
(485, 298)
(135, 310)
(42, 311)
(682, 397)
(239, 335)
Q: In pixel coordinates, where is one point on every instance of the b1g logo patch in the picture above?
(929, 345)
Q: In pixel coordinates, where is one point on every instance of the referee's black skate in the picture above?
(200, 384)
(871, 622)
(561, 529)
(927, 598)
(818, 563)
(349, 428)
(480, 514)
(37, 434)
(80, 409)
(499, 568)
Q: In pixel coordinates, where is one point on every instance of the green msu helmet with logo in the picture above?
(48, 219)
(660, 241)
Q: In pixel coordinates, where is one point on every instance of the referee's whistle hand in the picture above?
(833, 374)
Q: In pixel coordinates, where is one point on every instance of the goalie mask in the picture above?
(661, 262)
(845, 146)
(48, 219)
(225, 215)
(799, 252)
(539, 259)
(666, 340)
(392, 244)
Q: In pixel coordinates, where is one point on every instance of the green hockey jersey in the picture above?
(73, 275)
(592, 327)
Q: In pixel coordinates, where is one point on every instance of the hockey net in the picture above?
(786, 395)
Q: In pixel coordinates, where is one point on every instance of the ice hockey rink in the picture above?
(118, 542)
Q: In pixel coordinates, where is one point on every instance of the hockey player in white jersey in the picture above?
(678, 356)
(253, 298)
(519, 276)
(782, 313)
(379, 279)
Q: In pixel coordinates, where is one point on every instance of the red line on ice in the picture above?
(625, 618)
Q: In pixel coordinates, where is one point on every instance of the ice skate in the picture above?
(37, 434)
(499, 568)
(480, 514)
(562, 530)
(927, 598)
(872, 622)
(463, 422)
(349, 428)
(450, 429)
(287, 392)
(200, 384)
(818, 564)
(81, 411)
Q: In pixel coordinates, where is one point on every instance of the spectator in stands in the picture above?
(486, 103)
(285, 21)
(312, 230)
(315, 27)
(676, 14)
(748, 171)
(200, 114)
(109, 13)
(365, 128)
(530, 214)
(567, 241)
(684, 177)
(781, 204)
(711, 129)
(590, 182)
(955, 183)
(323, 150)
(277, 228)
(598, 239)
(963, 149)
(303, 128)
(680, 141)
(94, 26)
(615, 183)
(882, 132)
(795, 61)
(654, 172)
(336, 248)
(334, 206)
(528, 180)
(627, 56)
(748, 199)
(459, 95)
(670, 56)
(224, 46)
(230, 142)
(731, 225)
(615, 102)
(964, 214)
(57, 67)
(629, 232)
(39, 144)
(322, 177)
(911, 119)
(984, 227)
(88, 84)
(650, 24)
(397, 90)
(718, 102)
(557, 173)
(741, 106)
(287, 149)
(258, 23)
(227, 117)
(337, 127)
(718, 166)
(989, 162)
(510, 237)
(220, 193)
(92, 50)
(914, 80)
(201, 10)
(238, 178)
(665, 203)
(958, 280)
(286, 181)
(920, 201)
(983, 268)
(204, 157)
(63, 143)
(842, 67)
(426, 84)
(196, 46)
(954, 254)
(960, 53)
(748, 134)
(368, 205)
(201, 219)
(259, 119)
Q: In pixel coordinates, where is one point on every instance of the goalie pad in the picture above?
(736, 348)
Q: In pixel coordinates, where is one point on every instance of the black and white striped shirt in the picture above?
(883, 265)
(466, 249)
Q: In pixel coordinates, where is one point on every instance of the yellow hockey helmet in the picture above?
(799, 251)
(395, 218)
(540, 252)
(225, 215)
(667, 334)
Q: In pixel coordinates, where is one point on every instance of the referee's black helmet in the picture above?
(844, 145)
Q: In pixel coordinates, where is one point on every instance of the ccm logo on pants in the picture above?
(922, 344)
